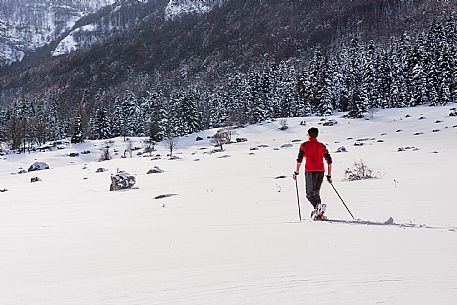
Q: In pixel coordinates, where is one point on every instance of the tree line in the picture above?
(354, 78)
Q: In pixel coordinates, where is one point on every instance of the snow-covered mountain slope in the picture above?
(27, 25)
(231, 233)
(176, 8)
(112, 19)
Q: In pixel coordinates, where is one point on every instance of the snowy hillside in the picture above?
(230, 233)
(27, 25)
(118, 17)
(176, 8)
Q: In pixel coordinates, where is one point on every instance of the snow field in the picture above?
(231, 235)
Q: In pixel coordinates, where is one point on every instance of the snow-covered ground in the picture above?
(231, 234)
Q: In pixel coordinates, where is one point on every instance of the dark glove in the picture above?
(329, 179)
(294, 175)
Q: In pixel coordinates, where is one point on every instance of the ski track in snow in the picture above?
(387, 224)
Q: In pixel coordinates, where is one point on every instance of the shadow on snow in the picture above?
(389, 222)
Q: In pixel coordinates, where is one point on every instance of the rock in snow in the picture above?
(155, 170)
(122, 181)
(35, 179)
(38, 166)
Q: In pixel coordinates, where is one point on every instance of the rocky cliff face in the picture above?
(28, 24)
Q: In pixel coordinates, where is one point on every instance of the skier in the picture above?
(314, 153)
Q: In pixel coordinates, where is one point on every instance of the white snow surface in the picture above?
(177, 8)
(69, 43)
(231, 234)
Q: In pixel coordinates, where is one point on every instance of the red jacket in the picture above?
(314, 153)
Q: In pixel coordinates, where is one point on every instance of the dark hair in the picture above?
(313, 132)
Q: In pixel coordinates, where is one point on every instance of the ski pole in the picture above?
(298, 199)
(342, 201)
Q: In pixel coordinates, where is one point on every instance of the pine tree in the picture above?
(370, 76)
(238, 99)
(358, 102)
(419, 86)
(324, 92)
(101, 127)
(283, 99)
(77, 133)
(117, 119)
(132, 124)
(152, 106)
(418, 60)
(174, 124)
(316, 80)
(451, 39)
(303, 106)
(190, 116)
(256, 103)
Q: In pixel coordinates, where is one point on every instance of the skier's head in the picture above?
(313, 132)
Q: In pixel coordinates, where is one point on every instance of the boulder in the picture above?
(224, 156)
(341, 149)
(35, 179)
(164, 196)
(121, 181)
(73, 154)
(101, 170)
(286, 145)
(155, 170)
(239, 140)
(330, 123)
(38, 166)
(44, 148)
(199, 139)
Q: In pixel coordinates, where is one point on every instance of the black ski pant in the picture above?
(313, 182)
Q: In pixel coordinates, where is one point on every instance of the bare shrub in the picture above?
(149, 146)
(223, 136)
(360, 171)
(283, 125)
(105, 151)
(171, 141)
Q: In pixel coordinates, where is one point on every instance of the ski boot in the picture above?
(319, 212)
